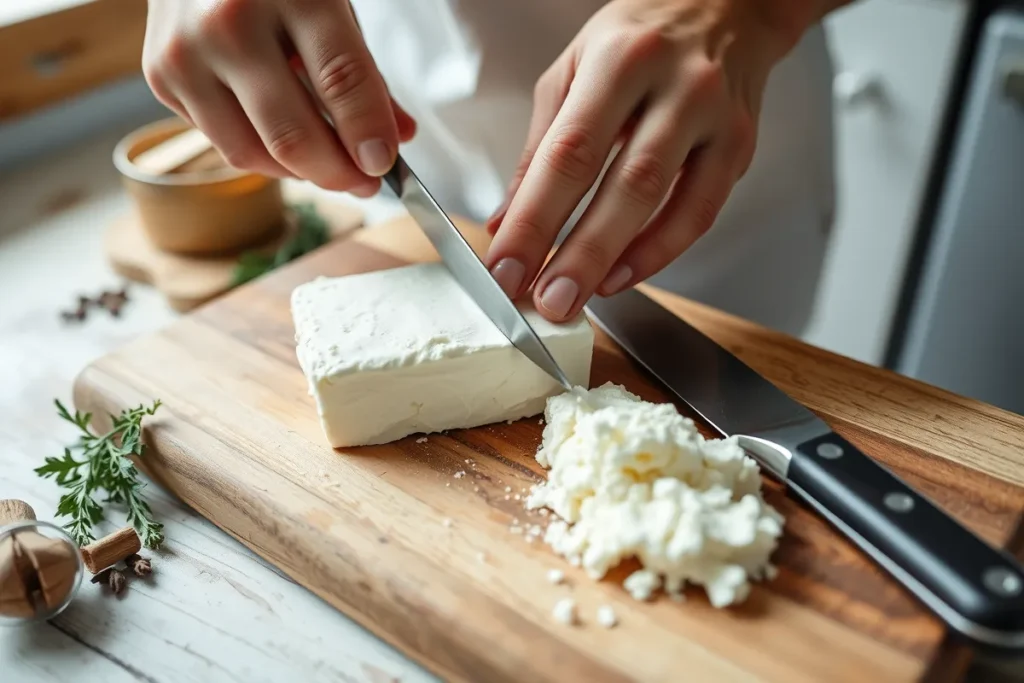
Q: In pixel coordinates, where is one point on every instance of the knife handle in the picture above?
(977, 590)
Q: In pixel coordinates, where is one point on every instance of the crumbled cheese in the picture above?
(606, 616)
(460, 474)
(422, 439)
(508, 489)
(641, 584)
(629, 478)
(565, 611)
(507, 497)
(556, 576)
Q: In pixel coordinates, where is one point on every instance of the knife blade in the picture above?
(469, 271)
(975, 589)
(456, 254)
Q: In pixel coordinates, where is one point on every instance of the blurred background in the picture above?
(923, 274)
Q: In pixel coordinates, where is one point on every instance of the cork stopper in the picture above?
(14, 510)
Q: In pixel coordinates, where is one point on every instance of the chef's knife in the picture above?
(468, 270)
(460, 259)
(977, 590)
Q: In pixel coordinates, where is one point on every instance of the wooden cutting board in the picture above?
(238, 439)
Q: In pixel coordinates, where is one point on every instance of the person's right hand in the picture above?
(224, 66)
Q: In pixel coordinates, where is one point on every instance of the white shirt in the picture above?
(465, 70)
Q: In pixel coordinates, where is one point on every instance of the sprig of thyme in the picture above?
(103, 463)
(312, 232)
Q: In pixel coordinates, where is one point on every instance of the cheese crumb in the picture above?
(460, 474)
(556, 576)
(565, 611)
(508, 489)
(641, 584)
(422, 439)
(606, 616)
(630, 478)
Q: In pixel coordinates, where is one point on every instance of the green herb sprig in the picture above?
(103, 462)
(312, 232)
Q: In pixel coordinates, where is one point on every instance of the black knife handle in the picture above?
(975, 589)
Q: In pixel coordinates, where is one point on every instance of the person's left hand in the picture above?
(679, 83)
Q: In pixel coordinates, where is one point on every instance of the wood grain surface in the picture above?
(57, 55)
(238, 440)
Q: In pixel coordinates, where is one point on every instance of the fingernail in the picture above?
(374, 157)
(616, 279)
(559, 296)
(509, 273)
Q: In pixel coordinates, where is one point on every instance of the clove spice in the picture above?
(111, 301)
(140, 565)
(112, 578)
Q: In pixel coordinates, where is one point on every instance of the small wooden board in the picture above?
(238, 439)
(188, 281)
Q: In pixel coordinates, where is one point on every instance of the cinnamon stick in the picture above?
(111, 549)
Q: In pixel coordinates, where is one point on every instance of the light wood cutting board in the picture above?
(238, 439)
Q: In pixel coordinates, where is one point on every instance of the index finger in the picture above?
(341, 68)
(568, 160)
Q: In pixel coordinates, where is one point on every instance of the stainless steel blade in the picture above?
(724, 391)
(469, 271)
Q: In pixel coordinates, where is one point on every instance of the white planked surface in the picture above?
(212, 611)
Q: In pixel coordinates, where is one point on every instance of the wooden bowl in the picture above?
(203, 212)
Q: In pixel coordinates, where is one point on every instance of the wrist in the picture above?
(790, 19)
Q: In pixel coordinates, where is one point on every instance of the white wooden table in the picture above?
(212, 611)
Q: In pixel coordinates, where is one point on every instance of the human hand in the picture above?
(679, 83)
(226, 67)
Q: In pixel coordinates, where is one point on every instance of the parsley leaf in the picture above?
(103, 463)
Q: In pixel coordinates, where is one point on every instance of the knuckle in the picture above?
(288, 142)
(171, 62)
(527, 231)
(342, 77)
(244, 157)
(707, 81)
(643, 44)
(643, 180)
(705, 212)
(592, 256)
(227, 18)
(629, 47)
(572, 154)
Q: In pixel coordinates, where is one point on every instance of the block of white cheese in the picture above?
(402, 351)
